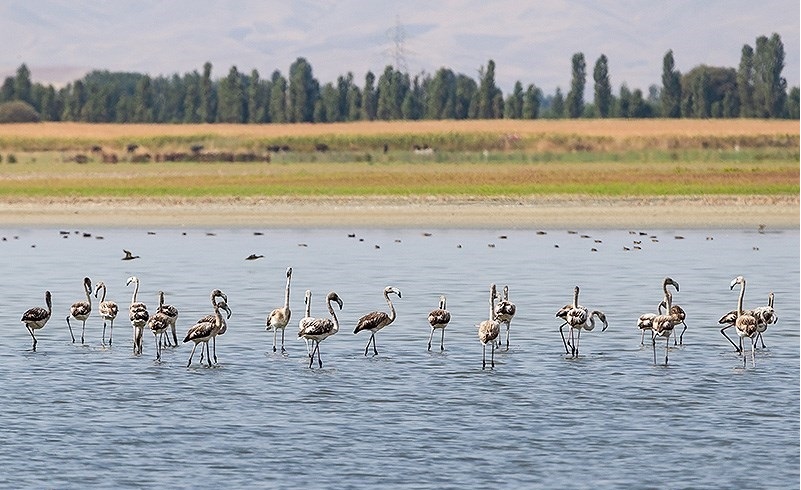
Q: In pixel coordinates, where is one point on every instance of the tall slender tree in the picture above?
(745, 81)
(207, 96)
(575, 97)
(603, 87)
(303, 91)
(671, 87)
(278, 98)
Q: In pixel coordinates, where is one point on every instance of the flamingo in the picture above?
(278, 319)
(746, 323)
(376, 320)
(81, 310)
(505, 311)
(307, 317)
(202, 332)
(36, 318)
(210, 318)
(663, 325)
(580, 318)
(318, 329)
(488, 331)
(438, 319)
(138, 314)
(765, 316)
(159, 323)
(108, 311)
(645, 321)
(171, 313)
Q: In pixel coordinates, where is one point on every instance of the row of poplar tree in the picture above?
(754, 89)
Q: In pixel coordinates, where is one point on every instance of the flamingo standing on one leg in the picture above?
(108, 311)
(36, 318)
(377, 320)
(81, 310)
(439, 318)
(318, 329)
(278, 319)
(488, 332)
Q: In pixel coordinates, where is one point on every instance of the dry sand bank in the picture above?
(552, 212)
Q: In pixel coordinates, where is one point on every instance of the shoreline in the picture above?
(555, 212)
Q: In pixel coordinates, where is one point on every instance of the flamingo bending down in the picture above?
(138, 314)
(488, 332)
(278, 319)
(505, 311)
(579, 318)
(36, 318)
(318, 329)
(108, 311)
(202, 332)
(81, 310)
(439, 318)
(377, 320)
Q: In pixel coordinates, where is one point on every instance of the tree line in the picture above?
(754, 89)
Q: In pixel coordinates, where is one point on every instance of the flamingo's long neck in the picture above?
(333, 317)
(136, 291)
(740, 299)
(161, 300)
(88, 290)
(308, 304)
(286, 295)
(391, 308)
(492, 304)
(575, 297)
(218, 321)
(49, 303)
(103, 296)
(770, 299)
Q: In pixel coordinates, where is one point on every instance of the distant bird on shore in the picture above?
(253, 257)
(129, 255)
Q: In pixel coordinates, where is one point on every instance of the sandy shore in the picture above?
(736, 212)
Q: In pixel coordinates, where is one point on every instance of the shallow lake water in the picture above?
(97, 416)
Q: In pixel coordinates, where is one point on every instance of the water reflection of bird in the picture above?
(81, 310)
(36, 318)
(376, 320)
(138, 314)
(129, 255)
(279, 317)
(318, 329)
(488, 331)
(439, 318)
(108, 311)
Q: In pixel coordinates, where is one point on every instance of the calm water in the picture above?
(92, 416)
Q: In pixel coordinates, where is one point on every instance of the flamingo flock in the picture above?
(661, 323)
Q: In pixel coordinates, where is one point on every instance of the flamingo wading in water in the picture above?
(439, 318)
(36, 318)
(278, 319)
(316, 330)
(81, 310)
(377, 320)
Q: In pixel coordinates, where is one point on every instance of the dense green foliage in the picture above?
(754, 89)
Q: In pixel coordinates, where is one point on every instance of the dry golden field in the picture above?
(614, 128)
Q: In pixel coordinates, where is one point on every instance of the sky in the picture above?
(530, 41)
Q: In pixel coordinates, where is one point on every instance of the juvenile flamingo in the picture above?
(138, 314)
(645, 321)
(488, 332)
(204, 331)
(376, 320)
(505, 311)
(171, 314)
(278, 319)
(580, 318)
(316, 330)
(108, 311)
(746, 323)
(439, 318)
(306, 319)
(158, 324)
(211, 318)
(663, 325)
(765, 316)
(36, 318)
(81, 310)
